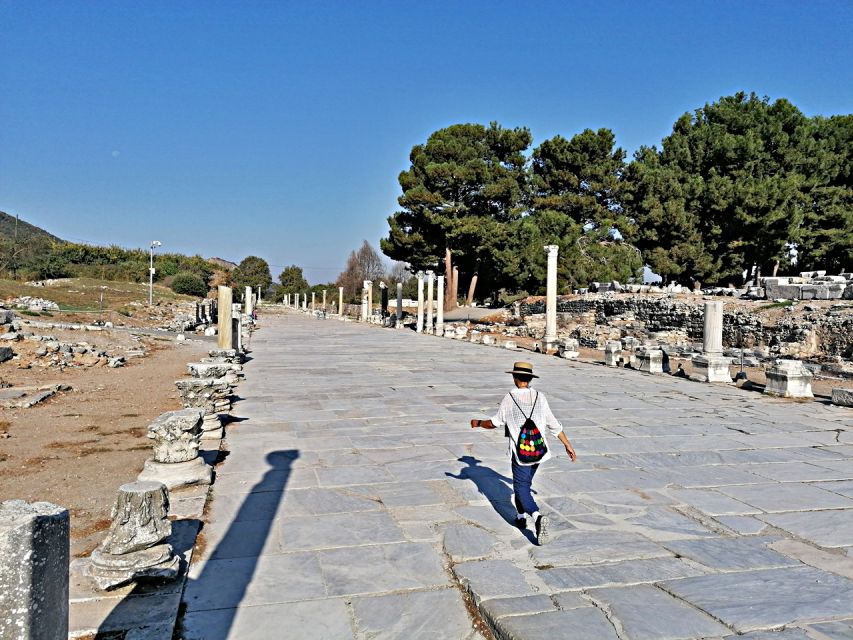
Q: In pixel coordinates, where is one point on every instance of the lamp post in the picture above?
(154, 245)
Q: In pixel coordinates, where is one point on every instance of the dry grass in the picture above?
(84, 294)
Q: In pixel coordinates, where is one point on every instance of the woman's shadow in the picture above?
(495, 487)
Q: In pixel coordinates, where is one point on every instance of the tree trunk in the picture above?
(455, 285)
(449, 297)
(472, 290)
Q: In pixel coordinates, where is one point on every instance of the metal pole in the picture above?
(151, 277)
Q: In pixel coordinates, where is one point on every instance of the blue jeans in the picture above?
(522, 480)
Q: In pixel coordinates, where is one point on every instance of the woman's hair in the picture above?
(523, 377)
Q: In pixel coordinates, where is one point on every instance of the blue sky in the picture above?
(279, 128)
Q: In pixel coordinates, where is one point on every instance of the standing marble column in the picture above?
(224, 318)
(399, 304)
(419, 327)
(313, 301)
(712, 334)
(430, 301)
(341, 301)
(550, 338)
(260, 293)
(364, 309)
(305, 302)
(324, 301)
(247, 303)
(439, 322)
(34, 557)
(711, 365)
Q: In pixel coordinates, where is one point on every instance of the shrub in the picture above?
(189, 284)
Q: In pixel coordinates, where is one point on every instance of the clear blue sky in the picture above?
(279, 128)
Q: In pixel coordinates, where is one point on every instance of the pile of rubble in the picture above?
(49, 352)
(32, 304)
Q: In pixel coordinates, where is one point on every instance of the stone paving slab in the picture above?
(767, 599)
(356, 500)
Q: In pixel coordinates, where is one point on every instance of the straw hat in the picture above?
(523, 369)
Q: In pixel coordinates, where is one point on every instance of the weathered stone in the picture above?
(467, 542)
(208, 369)
(134, 547)
(34, 556)
(651, 361)
(612, 353)
(176, 435)
(789, 379)
(842, 397)
(177, 474)
(139, 518)
(712, 368)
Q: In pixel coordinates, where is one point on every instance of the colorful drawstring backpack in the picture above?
(530, 447)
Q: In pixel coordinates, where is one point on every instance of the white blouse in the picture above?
(509, 416)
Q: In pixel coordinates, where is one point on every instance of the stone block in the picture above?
(789, 379)
(6, 353)
(34, 560)
(651, 361)
(842, 397)
(712, 368)
(612, 353)
(178, 474)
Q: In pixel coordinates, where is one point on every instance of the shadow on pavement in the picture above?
(221, 585)
(496, 487)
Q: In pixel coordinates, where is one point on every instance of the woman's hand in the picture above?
(475, 424)
(571, 451)
(484, 424)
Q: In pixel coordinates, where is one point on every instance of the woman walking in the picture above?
(525, 416)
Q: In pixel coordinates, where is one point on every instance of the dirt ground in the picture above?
(77, 447)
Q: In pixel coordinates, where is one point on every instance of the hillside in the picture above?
(26, 230)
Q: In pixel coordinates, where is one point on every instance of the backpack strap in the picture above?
(522, 410)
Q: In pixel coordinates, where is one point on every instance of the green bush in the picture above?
(189, 284)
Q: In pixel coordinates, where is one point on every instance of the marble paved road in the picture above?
(356, 500)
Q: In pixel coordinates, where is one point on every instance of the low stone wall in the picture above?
(826, 333)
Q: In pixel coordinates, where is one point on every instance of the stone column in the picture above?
(135, 547)
(419, 327)
(247, 303)
(439, 322)
(369, 285)
(399, 304)
(341, 301)
(211, 395)
(550, 338)
(313, 301)
(176, 462)
(365, 311)
(324, 301)
(34, 558)
(305, 302)
(260, 293)
(383, 301)
(224, 318)
(236, 328)
(430, 301)
(711, 366)
(712, 334)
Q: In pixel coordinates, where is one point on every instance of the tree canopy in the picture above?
(292, 280)
(739, 183)
(252, 272)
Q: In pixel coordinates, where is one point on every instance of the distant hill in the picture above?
(225, 264)
(26, 230)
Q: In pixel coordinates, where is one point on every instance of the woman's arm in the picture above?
(570, 450)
